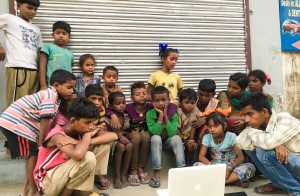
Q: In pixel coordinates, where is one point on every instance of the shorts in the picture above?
(20, 82)
(19, 146)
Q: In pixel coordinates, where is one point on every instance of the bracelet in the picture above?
(230, 169)
(191, 140)
(160, 122)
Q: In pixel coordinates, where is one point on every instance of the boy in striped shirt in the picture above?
(25, 122)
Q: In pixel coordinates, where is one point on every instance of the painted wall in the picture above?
(265, 48)
(3, 9)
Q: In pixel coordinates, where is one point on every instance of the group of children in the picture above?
(68, 141)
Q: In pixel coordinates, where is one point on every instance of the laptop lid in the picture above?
(208, 180)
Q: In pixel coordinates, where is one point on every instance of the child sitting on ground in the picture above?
(87, 65)
(103, 138)
(224, 150)
(187, 113)
(165, 77)
(110, 77)
(25, 122)
(206, 102)
(139, 135)
(163, 129)
(55, 55)
(64, 166)
(230, 98)
(257, 80)
(123, 147)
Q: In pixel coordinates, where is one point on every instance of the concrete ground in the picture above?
(143, 190)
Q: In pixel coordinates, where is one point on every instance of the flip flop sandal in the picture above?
(98, 194)
(134, 180)
(101, 184)
(244, 184)
(144, 178)
(154, 182)
(268, 189)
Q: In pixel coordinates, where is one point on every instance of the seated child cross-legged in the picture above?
(103, 138)
(64, 165)
(163, 129)
(224, 150)
(122, 149)
(187, 112)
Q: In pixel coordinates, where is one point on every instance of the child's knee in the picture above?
(89, 160)
(129, 146)
(120, 147)
(156, 139)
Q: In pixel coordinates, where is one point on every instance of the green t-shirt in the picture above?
(58, 58)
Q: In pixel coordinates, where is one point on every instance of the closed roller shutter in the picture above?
(209, 34)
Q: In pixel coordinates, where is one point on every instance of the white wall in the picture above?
(266, 46)
(3, 9)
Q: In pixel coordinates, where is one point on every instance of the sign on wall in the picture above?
(290, 24)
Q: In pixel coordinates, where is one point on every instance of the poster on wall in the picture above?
(290, 24)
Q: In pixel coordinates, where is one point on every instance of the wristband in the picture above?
(230, 169)
(191, 140)
(159, 122)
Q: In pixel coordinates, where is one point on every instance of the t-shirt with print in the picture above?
(23, 40)
(221, 153)
(58, 58)
(23, 117)
(171, 81)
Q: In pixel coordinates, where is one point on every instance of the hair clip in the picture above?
(224, 112)
(162, 46)
(269, 79)
(176, 50)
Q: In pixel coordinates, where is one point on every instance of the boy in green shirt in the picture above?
(163, 129)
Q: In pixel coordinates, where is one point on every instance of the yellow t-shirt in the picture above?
(171, 81)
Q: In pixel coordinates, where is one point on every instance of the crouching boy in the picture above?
(64, 165)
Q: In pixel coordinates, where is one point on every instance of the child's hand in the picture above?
(2, 54)
(115, 123)
(65, 141)
(101, 127)
(166, 109)
(157, 110)
(124, 140)
(199, 121)
(164, 134)
(238, 126)
(192, 144)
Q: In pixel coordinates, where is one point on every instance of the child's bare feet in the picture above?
(117, 183)
(124, 181)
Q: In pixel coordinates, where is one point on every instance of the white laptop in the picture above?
(207, 180)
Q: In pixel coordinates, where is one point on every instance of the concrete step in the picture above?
(11, 171)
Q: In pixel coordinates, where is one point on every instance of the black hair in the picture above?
(93, 89)
(61, 25)
(188, 93)
(112, 96)
(136, 85)
(113, 68)
(207, 85)
(258, 101)
(165, 53)
(258, 74)
(159, 90)
(241, 79)
(217, 118)
(61, 76)
(84, 57)
(35, 3)
(82, 108)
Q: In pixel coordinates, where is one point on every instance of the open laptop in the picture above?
(208, 180)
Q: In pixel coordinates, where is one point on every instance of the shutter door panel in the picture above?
(209, 34)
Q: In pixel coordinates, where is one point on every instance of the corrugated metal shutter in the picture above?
(209, 34)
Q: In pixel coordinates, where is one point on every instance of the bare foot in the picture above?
(117, 183)
(124, 181)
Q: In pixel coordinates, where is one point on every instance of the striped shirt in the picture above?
(24, 115)
(283, 129)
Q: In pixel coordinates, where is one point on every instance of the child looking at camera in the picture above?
(122, 149)
(110, 77)
(87, 64)
(187, 113)
(222, 147)
(55, 55)
(163, 130)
